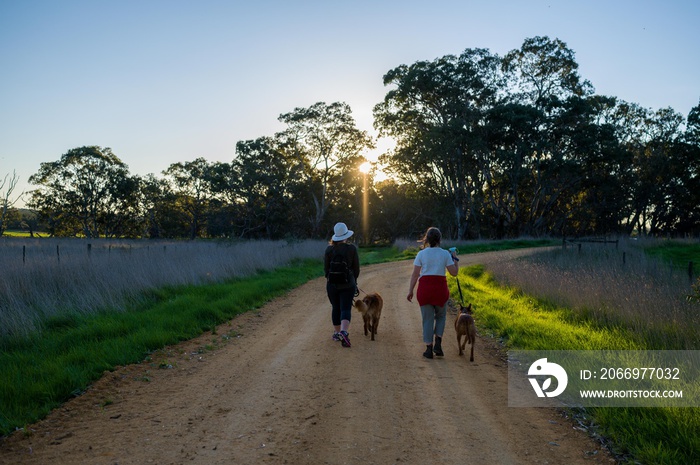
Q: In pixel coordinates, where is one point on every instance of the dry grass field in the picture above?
(44, 277)
(613, 285)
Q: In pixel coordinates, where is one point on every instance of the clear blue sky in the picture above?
(165, 81)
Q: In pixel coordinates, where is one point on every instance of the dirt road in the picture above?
(281, 392)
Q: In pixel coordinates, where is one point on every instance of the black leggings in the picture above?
(341, 302)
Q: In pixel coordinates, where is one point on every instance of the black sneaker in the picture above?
(438, 347)
(428, 352)
(344, 339)
(336, 337)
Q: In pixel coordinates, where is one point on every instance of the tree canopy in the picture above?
(486, 146)
(87, 191)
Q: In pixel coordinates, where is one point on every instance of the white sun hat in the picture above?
(341, 232)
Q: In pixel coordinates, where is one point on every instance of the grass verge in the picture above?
(409, 249)
(39, 372)
(679, 253)
(651, 435)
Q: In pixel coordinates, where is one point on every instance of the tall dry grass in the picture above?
(40, 278)
(615, 286)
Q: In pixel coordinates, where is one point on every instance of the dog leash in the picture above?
(459, 288)
(357, 293)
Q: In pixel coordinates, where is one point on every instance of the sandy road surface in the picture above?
(284, 393)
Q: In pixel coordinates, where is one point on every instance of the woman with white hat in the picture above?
(341, 265)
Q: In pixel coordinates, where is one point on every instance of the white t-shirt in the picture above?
(433, 261)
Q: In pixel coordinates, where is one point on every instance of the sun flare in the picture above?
(372, 165)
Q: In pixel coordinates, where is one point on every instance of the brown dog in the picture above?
(464, 326)
(371, 308)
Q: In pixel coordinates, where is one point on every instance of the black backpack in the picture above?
(338, 271)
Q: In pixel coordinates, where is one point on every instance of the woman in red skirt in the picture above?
(429, 271)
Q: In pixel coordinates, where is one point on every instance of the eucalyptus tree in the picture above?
(158, 218)
(399, 211)
(124, 218)
(628, 121)
(580, 194)
(264, 182)
(689, 151)
(692, 133)
(224, 206)
(544, 70)
(543, 74)
(83, 191)
(191, 187)
(511, 136)
(649, 140)
(8, 198)
(658, 169)
(436, 114)
(664, 168)
(321, 138)
(595, 174)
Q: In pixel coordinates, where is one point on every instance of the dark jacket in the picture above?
(351, 257)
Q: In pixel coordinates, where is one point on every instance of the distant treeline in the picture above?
(486, 146)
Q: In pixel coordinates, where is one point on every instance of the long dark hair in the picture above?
(432, 237)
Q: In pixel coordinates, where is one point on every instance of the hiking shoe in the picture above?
(438, 347)
(344, 339)
(336, 337)
(428, 352)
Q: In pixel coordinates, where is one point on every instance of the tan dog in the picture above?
(464, 326)
(371, 308)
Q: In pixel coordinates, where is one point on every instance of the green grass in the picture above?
(527, 323)
(39, 372)
(684, 255)
(409, 249)
(651, 435)
(495, 246)
(372, 255)
(677, 252)
(13, 233)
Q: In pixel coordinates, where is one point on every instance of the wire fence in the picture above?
(617, 285)
(40, 278)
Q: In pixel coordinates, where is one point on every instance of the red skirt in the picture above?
(432, 290)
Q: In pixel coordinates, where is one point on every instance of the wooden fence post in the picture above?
(690, 271)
